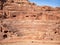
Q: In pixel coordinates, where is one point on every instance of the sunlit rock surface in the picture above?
(23, 20)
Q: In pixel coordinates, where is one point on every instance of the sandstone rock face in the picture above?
(25, 20)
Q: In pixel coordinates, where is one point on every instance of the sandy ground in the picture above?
(32, 42)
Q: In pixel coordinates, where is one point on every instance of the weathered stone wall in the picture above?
(29, 21)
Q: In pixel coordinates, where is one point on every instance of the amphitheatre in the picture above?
(25, 23)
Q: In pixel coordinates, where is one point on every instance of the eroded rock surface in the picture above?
(26, 20)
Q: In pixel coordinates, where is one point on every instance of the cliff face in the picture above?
(25, 20)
